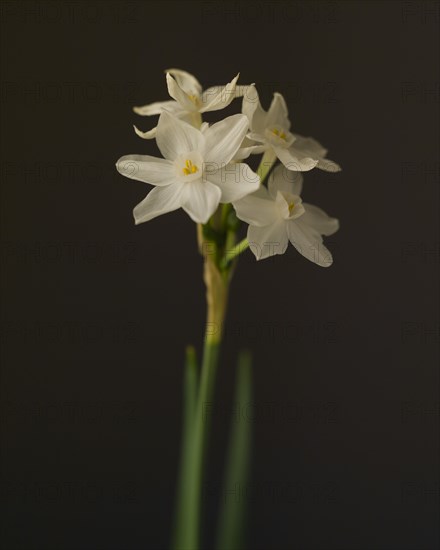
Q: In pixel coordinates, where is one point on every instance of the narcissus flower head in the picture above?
(270, 131)
(196, 173)
(202, 166)
(277, 215)
(189, 100)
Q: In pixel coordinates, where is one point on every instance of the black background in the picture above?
(97, 312)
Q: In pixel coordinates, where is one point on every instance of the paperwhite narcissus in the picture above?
(271, 132)
(196, 173)
(189, 100)
(277, 215)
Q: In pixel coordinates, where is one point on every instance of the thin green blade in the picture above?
(231, 529)
(189, 411)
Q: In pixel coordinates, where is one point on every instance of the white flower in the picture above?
(189, 100)
(277, 215)
(271, 130)
(196, 173)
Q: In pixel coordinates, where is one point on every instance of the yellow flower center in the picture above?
(291, 207)
(279, 133)
(190, 168)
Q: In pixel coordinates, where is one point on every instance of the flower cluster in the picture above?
(202, 167)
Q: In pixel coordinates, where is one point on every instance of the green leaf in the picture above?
(189, 412)
(231, 528)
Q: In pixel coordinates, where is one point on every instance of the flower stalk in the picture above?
(217, 280)
(232, 253)
(266, 164)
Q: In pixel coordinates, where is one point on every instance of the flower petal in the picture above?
(308, 242)
(328, 165)
(223, 140)
(313, 147)
(294, 160)
(278, 115)
(175, 137)
(148, 169)
(204, 126)
(252, 109)
(319, 220)
(289, 206)
(282, 179)
(244, 152)
(179, 95)
(219, 97)
(242, 89)
(257, 209)
(150, 134)
(268, 240)
(186, 81)
(259, 138)
(159, 201)
(200, 200)
(235, 180)
(309, 147)
(156, 108)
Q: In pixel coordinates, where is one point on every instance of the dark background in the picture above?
(97, 312)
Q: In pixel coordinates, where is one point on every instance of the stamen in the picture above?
(279, 133)
(291, 207)
(190, 168)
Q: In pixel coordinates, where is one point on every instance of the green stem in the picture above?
(232, 253)
(266, 164)
(226, 209)
(188, 534)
